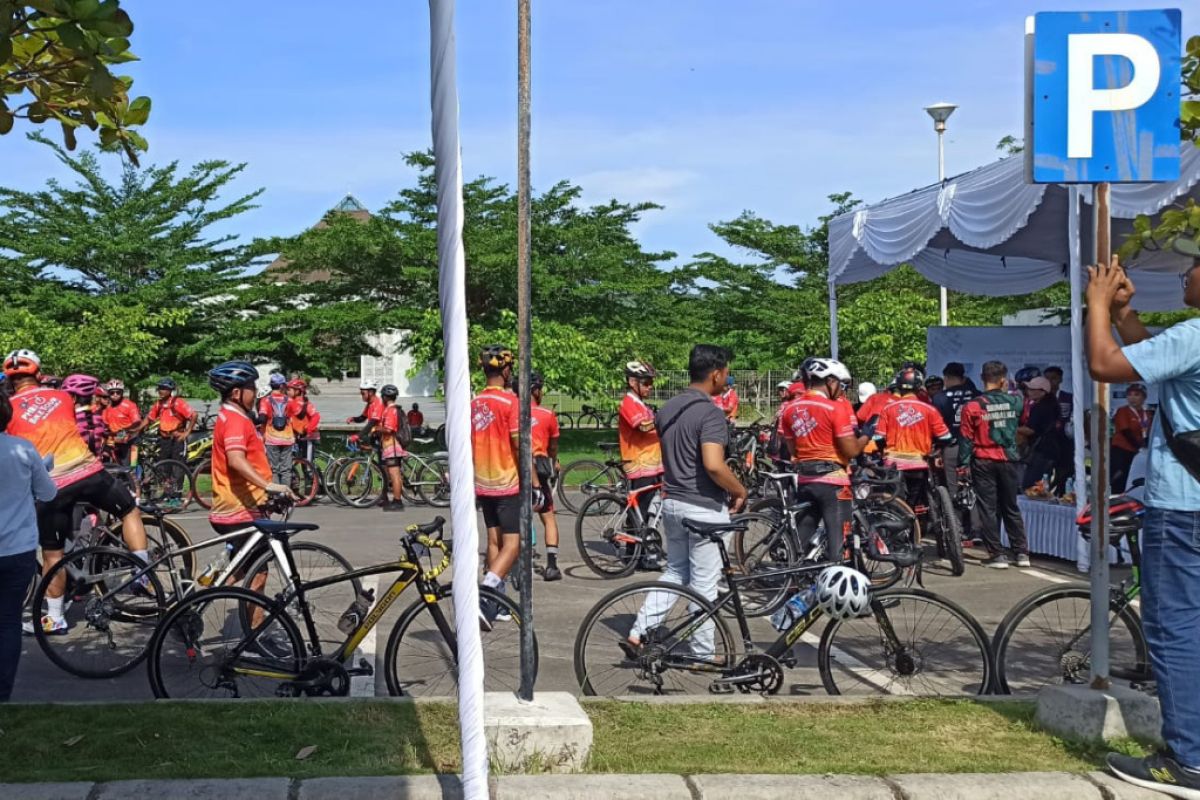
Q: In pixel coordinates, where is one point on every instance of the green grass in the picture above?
(363, 738)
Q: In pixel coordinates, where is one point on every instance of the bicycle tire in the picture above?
(752, 553)
(109, 633)
(202, 484)
(591, 477)
(361, 482)
(326, 604)
(615, 630)
(949, 530)
(604, 537)
(885, 574)
(185, 623)
(167, 484)
(305, 482)
(1021, 672)
(844, 670)
(331, 487)
(441, 495)
(501, 650)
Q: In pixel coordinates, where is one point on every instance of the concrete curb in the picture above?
(969, 786)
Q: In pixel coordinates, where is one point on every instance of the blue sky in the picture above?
(709, 108)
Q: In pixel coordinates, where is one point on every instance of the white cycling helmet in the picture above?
(640, 370)
(865, 390)
(826, 368)
(843, 592)
(784, 385)
(367, 383)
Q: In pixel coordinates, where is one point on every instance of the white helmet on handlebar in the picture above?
(843, 592)
(826, 368)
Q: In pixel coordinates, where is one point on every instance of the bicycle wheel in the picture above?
(331, 487)
(304, 481)
(582, 479)
(360, 481)
(202, 483)
(160, 533)
(439, 496)
(912, 642)
(672, 660)
(326, 604)
(202, 649)
(167, 484)
(949, 530)
(608, 537)
(885, 574)
(765, 545)
(1046, 639)
(111, 619)
(421, 656)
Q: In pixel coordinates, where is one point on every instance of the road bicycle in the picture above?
(929, 497)
(747, 457)
(592, 417)
(232, 643)
(579, 480)
(1047, 637)
(614, 537)
(910, 642)
(114, 599)
(361, 480)
(305, 483)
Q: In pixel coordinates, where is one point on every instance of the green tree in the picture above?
(56, 61)
(139, 248)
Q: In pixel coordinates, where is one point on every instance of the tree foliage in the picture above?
(56, 65)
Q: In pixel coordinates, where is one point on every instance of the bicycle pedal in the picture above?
(364, 668)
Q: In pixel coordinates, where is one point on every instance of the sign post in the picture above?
(1102, 107)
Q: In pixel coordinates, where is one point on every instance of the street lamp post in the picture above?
(940, 113)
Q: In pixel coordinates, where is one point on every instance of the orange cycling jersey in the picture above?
(640, 449)
(493, 422)
(812, 424)
(389, 426)
(123, 415)
(910, 427)
(235, 499)
(544, 428)
(171, 415)
(46, 417)
(874, 405)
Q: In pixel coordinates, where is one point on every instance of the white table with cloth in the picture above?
(1051, 531)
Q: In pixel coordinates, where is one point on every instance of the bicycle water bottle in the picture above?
(794, 609)
(354, 615)
(216, 566)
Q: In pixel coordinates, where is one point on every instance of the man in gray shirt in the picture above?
(697, 482)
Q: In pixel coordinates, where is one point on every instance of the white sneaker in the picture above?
(1023, 560)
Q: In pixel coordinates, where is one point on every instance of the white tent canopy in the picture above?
(989, 232)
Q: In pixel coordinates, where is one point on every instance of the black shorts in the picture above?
(392, 462)
(501, 512)
(56, 517)
(223, 528)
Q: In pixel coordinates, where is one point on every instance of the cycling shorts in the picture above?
(56, 517)
(501, 512)
(392, 462)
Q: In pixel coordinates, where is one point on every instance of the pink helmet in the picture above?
(80, 385)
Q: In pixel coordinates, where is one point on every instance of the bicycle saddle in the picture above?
(282, 527)
(892, 525)
(607, 446)
(153, 509)
(714, 530)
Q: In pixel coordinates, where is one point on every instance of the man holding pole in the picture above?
(1170, 540)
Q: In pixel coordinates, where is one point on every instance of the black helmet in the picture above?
(389, 392)
(166, 383)
(232, 375)
(536, 381)
(496, 356)
(909, 379)
(1026, 374)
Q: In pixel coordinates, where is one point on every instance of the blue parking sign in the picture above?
(1104, 99)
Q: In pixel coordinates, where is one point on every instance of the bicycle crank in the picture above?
(757, 672)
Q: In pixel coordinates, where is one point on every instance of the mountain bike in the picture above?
(1046, 637)
(114, 599)
(612, 534)
(911, 642)
(232, 642)
(579, 480)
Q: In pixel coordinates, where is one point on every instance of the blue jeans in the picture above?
(692, 561)
(1171, 618)
(15, 572)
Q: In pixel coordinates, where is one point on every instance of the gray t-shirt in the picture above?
(685, 422)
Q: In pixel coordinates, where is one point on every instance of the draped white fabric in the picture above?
(989, 232)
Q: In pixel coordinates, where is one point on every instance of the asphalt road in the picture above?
(369, 536)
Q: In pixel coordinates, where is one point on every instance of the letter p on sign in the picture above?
(1104, 97)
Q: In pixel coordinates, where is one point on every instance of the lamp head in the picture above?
(940, 113)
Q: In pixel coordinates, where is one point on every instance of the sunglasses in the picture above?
(1186, 278)
(646, 382)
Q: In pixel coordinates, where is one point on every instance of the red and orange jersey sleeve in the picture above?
(493, 421)
(236, 499)
(544, 429)
(640, 449)
(46, 417)
(375, 410)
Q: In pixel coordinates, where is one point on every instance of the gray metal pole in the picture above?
(525, 347)
(1099, 570)
(833, 320)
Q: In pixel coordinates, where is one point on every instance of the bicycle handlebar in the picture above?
(425, 535)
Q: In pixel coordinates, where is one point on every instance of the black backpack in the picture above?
(279, 420)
